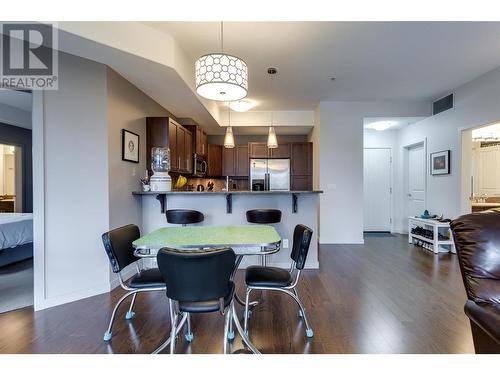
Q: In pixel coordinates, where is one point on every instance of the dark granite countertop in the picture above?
(246, 192)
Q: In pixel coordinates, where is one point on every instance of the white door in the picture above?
(377, 189)
(416, 180)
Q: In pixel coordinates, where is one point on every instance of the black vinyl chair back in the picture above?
(184, 216)
(118, 246)
(301, 240)
(264, 216)
(197, 275)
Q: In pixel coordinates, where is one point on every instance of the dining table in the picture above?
(247, 239)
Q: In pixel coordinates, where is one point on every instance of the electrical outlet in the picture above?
(285, 243)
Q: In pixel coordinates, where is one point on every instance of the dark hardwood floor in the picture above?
(382, 297)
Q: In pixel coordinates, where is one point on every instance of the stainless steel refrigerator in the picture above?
(270, 174)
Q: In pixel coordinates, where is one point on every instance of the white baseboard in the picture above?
(72, 297)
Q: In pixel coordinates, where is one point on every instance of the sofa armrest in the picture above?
(486, 316)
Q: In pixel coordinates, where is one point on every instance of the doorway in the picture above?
(415, 179)
(377, 189)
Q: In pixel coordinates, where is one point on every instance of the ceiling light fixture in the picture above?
(382, 125)
(272, 140)
(241, 105)
(229, 137)
(220, 76)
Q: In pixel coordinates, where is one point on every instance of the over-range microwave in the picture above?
(199, 165)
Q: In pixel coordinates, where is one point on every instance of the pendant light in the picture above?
(229, 138)
(272, 141)
(220, 76)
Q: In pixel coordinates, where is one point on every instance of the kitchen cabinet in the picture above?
(214, 160)
(166, 132)
(258, 150)
(229, 161)
(282, 151)
(235, 162)
(242, 161)
(199, 137)
(485, 170)
(301, 165)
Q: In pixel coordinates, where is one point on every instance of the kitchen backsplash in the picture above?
(219, 183)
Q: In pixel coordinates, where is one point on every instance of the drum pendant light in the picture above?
(220, 76)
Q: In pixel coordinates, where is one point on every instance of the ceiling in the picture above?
(16, 99)
(369, 60)
(396, 122)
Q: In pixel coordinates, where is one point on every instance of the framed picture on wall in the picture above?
(440, 162)
(130, 146)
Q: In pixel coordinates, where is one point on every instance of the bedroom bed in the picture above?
(16, 237)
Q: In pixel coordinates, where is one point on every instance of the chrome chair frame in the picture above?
(130, 292)
(289, 290)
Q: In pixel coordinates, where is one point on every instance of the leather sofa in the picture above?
(477, 240)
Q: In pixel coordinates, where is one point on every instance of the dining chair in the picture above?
(199, 281)
(281, 280)
(185, 217)
(118, 246)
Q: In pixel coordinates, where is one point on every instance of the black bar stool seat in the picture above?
(264, 216)
(184, 217)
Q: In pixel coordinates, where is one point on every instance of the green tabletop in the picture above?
(210, 236)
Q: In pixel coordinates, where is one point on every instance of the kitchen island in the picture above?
(229, 208)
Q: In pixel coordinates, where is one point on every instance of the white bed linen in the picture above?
(15, 229)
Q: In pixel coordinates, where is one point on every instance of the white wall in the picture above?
(75, 174)
(341, 163)
(15, 116)
(476, 103)
(127, 108)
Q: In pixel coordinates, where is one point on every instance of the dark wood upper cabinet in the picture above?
(214, 160)
(258, 150)
(165, 132)
(301, 155)
(235, 162)
(188, 152)
(242, 161)
(229, 161)
(301, 166)
(283, 151)
(199, 137)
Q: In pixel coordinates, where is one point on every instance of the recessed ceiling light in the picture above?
(241, 105)
(382, 125)
(272, 71)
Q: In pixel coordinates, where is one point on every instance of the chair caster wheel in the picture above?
(230, 335)
(107, 336)
(309, 333)
(129, 315)
(189, 337)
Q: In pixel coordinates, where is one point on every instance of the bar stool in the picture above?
(264, 216)
(184, 217)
